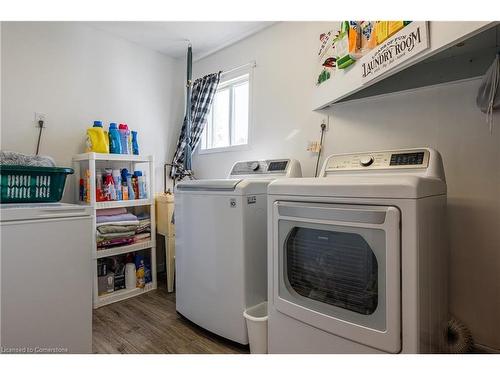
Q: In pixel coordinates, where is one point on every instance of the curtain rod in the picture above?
(251, 64)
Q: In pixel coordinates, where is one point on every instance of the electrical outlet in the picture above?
(326, 122)
(40, 117)
(314, 147)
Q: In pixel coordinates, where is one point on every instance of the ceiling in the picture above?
(170, 38)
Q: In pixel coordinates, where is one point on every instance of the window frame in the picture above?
(228, 80)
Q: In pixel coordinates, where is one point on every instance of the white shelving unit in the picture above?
(88, 161)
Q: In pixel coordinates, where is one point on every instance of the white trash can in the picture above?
(256, 317)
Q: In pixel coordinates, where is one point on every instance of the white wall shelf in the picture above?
(344, 83)
(88, 161)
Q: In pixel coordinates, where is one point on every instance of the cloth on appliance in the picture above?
(111, 211)
(18, 158)
(125, 219)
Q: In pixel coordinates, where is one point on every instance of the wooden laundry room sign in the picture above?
(405, 44)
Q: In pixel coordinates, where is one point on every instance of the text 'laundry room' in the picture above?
(250, 187)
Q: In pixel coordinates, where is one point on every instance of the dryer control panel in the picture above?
(263, 168)
(400, 159)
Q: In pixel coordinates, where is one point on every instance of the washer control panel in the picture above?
(259, 167)
(403, 159)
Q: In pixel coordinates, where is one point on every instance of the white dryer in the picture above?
(221, 245)
(358, 257)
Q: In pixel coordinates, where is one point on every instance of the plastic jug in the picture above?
(124, 138)
(97, 139)
(130, 276)
(135, 144)
(115, 146)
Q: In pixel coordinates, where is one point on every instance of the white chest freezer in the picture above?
(46, 278)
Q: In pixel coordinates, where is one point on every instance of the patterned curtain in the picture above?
(201, 101)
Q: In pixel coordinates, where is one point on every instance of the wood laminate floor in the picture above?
(149, 324)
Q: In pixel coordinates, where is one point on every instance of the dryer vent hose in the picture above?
(459, 339)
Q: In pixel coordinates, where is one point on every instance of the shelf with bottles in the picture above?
(118, 178)
(103, 190)
(114, 184)
(123, 276)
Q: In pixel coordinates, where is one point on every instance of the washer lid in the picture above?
(373, 186)
(208, 185)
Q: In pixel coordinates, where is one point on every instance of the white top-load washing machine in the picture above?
(358, 257)
(221, 245)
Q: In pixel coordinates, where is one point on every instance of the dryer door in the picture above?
(337, 268)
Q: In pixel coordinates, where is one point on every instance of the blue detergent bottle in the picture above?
(115, 146)
(127, 181)
(135, 144)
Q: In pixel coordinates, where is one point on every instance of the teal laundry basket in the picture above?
(20, 184)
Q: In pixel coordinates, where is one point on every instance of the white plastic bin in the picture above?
(256, 317)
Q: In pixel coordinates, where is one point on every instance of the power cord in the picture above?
(40, 125)
(323, 128)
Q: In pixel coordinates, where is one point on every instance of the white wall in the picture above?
(75, 74)
(443, 117)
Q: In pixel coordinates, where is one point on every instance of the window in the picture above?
(228, 120)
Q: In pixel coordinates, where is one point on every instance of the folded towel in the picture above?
(143, 229)
(116, 218)
(142, 237)
(109, 236)
(106, 228)
(131, 222)
(115, 242)
(111, 211)
(143, 216)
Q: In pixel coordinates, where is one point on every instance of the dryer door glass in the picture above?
(335, 268)
(338, 271)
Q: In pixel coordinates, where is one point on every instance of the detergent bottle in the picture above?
(127, 182)
(124, 138)
(115, 146)
(135, 144)
(141, 185)
(130, 186)
(118, 184)
(97, 139)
